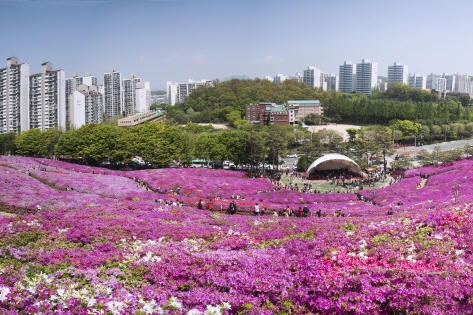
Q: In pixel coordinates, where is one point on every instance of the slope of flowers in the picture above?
(101, 255)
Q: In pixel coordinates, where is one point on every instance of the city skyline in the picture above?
(162, 41)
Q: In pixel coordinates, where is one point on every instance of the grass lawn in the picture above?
(328, 186)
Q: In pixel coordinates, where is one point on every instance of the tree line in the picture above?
(225, 102)
(158, 144)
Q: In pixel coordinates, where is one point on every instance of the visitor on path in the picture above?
(305, 210)
(256, 210)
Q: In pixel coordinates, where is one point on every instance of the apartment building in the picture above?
(14, 96)
(331, 82)
(417, 81)
(366, 76)
(129, 94)
(47, 98)
(73, 83)
(436, 82)
(86, 105)
(398, 73)
(313, 77)
(347, 77)
(113, 94)
(177, 92)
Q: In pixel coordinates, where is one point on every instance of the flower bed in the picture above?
(88, 253)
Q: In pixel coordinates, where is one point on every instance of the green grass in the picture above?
(328, 186)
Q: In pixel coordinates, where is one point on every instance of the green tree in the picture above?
(7, 143)
(34, 142)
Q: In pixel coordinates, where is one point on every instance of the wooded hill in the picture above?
(212, 103)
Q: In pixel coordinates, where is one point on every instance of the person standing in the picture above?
(256, 210)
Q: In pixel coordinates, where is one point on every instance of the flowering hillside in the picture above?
(107, 246)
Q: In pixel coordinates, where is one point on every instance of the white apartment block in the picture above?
(177, 92)
(142, 97)
(382, 86)
(298, 76)
(14, 96)
(398, 73)
(462, 84)
(73, 83)
(113, 94)
(366, 76)
(313, 77)
(269, 78)
(129, 94)
(279, 78)
(86, 106)
(347, 77)
(435, 82)
(417, 81)
(449, 81)
(47, 106)
(331, 82)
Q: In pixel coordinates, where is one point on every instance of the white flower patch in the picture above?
(362, 255)
(32, 223)
(226, 306)
(4, 291)
(459, 252)
(115, 307)
(62, 231)
(362, 244)
(149, 257)
(31, 284)
(349, 233)
(174, 303)
(438, 237)
(213, 310)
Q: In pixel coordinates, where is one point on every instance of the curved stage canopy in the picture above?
(333, 162)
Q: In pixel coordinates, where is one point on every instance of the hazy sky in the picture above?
(178, 40)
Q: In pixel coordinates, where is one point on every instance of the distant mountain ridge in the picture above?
(239, 77)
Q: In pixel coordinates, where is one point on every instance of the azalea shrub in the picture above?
(107, 246)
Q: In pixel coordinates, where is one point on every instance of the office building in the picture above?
(47, 100)
(417, 81)
(313, 77)
(86, 106)
(347, 77)
(113, 94)
(267, 113)
(14, 96)
(398, 73)
(139, 118)
(366, 76)
(298, 110)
